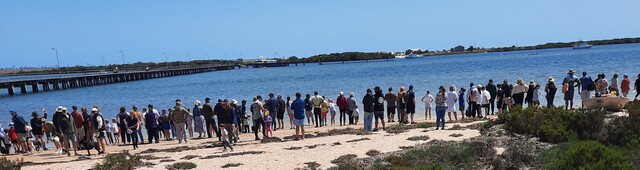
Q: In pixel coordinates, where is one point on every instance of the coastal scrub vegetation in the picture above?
(182, 165)
(10, 164)
(122, 161)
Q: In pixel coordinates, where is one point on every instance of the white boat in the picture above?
(400, 56)
(582, 45)
(611, 103)
(413, 56)
(262, 60)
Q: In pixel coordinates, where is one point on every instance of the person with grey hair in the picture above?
(198, 119)
(353, 105)
(452, 99)
(179, 117)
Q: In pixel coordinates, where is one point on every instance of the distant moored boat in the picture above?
(581, 45)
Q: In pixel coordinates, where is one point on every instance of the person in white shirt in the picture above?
(452, 99)
(536, 96)
(428, 100)
(472, 95)
(483, 100)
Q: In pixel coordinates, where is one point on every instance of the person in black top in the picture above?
(132, 127)
(378, 107)
(208, 113)
(551, 89)
(493, 90)
(636, 87)
(308, 107)
(99, 127)
(281, 109)
(36, 125)
(411, 103)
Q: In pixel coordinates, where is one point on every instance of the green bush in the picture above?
(585, 155)
(624, 131)
(181, 165)
(121, 161)
(555, 124)
(10, 164)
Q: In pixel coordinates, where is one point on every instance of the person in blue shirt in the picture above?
(298, 107)
(585, 93)
(461, 101)
(19, 124)
(273, 108)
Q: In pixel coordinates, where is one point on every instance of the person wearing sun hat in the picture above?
(198, 118)
(98, 123)
(573, 82)
(550, 88)
(19, 124)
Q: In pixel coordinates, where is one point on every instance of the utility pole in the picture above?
(122, 52)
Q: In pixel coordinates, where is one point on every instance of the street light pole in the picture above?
(121, 52)
(58, 59)
(166, 59)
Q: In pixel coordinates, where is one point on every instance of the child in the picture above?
(536, 96)
(245, 123)
(166, 125)
(115, 130)
(356, 116)
(225, 138)
(14, 138)
(267, 122)
(109, 130)
(462, 101)
(332, 110)
(428, 100)
(324, 110)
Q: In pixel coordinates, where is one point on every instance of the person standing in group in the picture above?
(636, 87)
(272, 106)
(452, 99)
(343, 105)
(550, 89)
(267, 122)
(258, 121)
(227, 119)
(109, 131)
(242, 117)
(324, 110)
(625, 85)
(79, 122)
(133, 125)
(151, 119)
(138, 116)
(308, 107)
(52, 135)
(462, 102)
(402, 105)
(441, 107)
(411, 104)
(198, 119)
(428, 100)
(20, 128)
(529, 99)
(179, 117)
(115, 129)
(189, 122)
(332, 111)
(122, 118)
(536, 96)
(519, 91)
(499, 99)
(282, 107)
(353, 105)
(483, 101)
(67, 129)
(492, 89)
(37, 123)
(166, 125)
(235, 110)
(316, 101)
(210, 122)
(506, 97)
(225, 138)
(98, 124)
(473, 104)
(390, 97)
(601, 85)
(367, 103)
(378, 108)
(585, 88)
(572, 82)
(298, 107)
(614, 84)
(290, 112)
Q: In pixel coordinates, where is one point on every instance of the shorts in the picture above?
(80, 132)
(101, 134)
(298, 122)
(71, 137)
(461, 107)
(22, 137)
(280, 115)
(308, 113)
(569, 95)
(290, 115)
(451, 108)
(585, 94)
(391, 110)
(379, 115)
(411, 109)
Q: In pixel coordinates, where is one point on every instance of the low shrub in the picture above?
(182, 165)
(585, 155)
(624, 131)
(372, 152)
(122, 161)
(10, 164)
(555, 124)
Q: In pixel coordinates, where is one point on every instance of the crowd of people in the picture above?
(226, 120)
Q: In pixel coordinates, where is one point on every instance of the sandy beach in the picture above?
(289, 154)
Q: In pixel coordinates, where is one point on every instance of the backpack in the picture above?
(592, 86)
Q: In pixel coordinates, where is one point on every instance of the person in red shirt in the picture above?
(78, 119)
(343, 105)
(14, 138)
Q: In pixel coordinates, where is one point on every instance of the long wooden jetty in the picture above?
(59, 83)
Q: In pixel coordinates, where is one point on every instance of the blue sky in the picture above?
(83, 31)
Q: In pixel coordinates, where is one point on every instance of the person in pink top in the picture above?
(343, 105)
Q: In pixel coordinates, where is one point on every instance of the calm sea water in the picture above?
(328, 79)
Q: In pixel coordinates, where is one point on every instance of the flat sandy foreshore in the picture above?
(251, 154)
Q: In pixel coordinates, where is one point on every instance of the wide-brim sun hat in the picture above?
(570, 71)
(552, 79)
(234, 101)
(94, 109)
